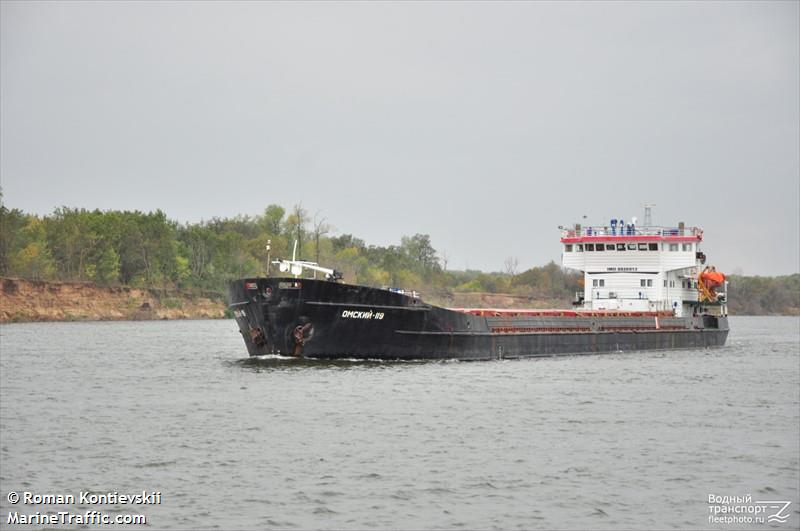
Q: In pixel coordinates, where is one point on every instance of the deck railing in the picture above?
(630, 230)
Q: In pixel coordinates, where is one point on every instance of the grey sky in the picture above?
(485, 125)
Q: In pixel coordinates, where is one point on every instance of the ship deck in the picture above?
(514, 312)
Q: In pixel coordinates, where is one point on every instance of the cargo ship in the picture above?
(645, 288)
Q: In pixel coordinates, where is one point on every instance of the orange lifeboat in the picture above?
(712, 279)
(707, 281)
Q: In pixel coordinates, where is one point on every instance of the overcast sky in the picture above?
(485, 125)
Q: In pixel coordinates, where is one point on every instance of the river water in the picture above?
(619, 441)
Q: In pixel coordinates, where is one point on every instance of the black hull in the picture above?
(327, 320)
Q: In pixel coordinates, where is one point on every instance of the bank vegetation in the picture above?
(149, 251)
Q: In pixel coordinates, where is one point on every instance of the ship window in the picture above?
(602, 282)
(579, 247)
(673, 247)
(642, 246)
(594, 282)
(600, 247)
(631, 246)
(687, 246)
(665, 283)
(620, 247)
(610, 247)
(653, 246)
(568, 248)
(590, 247)
(643, 283)
(649, 282)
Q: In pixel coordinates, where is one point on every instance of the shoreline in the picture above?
(23, 300)
(41, 301)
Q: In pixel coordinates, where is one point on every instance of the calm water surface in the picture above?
(631, 441)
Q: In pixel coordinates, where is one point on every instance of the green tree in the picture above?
(272, 220)
(12, 239)
(346, 240)
(70, 239)
(296, 229)
(33, 261)
(420, 250)
(199, 243)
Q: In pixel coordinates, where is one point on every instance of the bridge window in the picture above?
(687, 246)
(568, 248)
(653, 246)
(590, 247)
(673, 247)
(620, 247)
(642, 246)
(600, 247)
(631, 246)
(579, 247)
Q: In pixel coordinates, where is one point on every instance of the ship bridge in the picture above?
(632, 268)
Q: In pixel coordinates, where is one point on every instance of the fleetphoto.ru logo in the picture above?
(743, 510)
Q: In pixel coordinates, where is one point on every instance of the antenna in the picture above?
(648, 218)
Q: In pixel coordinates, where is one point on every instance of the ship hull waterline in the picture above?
(326, 320)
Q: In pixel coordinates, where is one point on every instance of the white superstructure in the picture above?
(632, 268)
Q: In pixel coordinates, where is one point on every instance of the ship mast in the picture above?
(648, 218)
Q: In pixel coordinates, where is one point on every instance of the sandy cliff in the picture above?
(27, 300)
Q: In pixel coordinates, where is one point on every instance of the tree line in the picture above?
(147, 249)
(752, 295)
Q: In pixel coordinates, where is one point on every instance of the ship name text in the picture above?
(354, 314)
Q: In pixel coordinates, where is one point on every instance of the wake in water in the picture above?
(277, 361)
